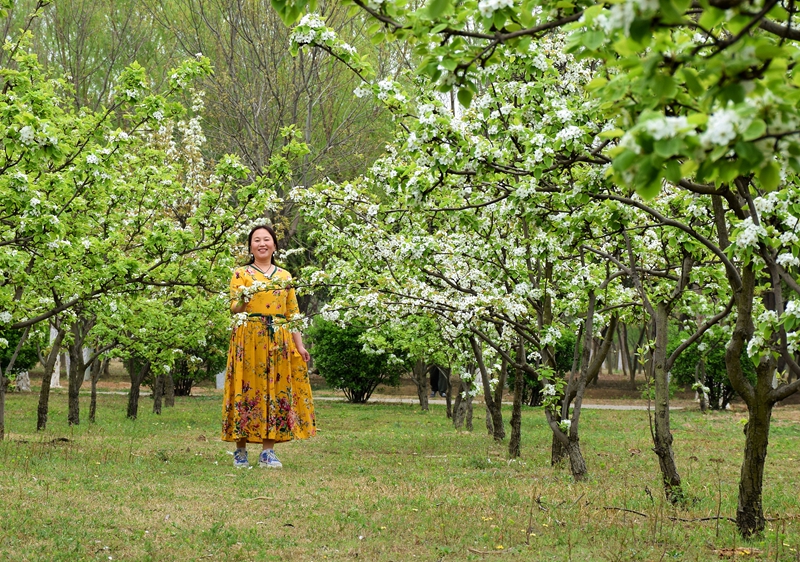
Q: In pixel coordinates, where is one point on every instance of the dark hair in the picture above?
(250, 241)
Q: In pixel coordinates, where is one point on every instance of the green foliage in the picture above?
(564, 352)
(27, 357)
(711, 352)
(344, 363)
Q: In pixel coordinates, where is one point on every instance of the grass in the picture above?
(381, 482)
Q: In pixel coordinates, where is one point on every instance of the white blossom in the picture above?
(26, 135)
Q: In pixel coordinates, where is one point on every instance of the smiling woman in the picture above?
(267, 396)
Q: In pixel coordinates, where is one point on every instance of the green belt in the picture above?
(270, 316)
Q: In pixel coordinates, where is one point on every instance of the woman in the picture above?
(267, 397)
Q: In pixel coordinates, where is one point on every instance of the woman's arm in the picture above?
(301, 349)
(238, 306)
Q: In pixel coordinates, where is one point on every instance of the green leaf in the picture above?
(711, 18)
(592, 39)
(596, 83)
(499, 19)
(437, 8)
(612, 134)
(667, 147)
(690, 78)
(672, 171)
(769, 51)
(640, 30)
(465, 96)
(755, 130)
(625, 160)
(748, 152)
(769, 176)
(732, 92)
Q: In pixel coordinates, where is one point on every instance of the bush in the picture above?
(565, 353)
(341, 360)
(712, 351)
(27, 357)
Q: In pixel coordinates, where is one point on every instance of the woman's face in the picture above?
(262, 245)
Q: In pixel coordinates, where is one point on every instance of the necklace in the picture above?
(264, 273)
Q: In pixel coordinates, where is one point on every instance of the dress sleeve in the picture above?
(239, 279)
(292, 308)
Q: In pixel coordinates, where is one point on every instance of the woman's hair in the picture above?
(250, 241)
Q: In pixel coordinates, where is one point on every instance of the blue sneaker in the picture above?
(240, 458)
(267, 459)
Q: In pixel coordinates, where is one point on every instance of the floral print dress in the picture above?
(267, 392)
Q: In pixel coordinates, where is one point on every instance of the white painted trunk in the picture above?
(55, 378)
(87, 373)
(23, 382)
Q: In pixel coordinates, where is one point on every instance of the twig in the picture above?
(476, 551)
(681, 519)
(258, 498)
(625, 510)
(714, 518)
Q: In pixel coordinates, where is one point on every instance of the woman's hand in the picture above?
(304, 353)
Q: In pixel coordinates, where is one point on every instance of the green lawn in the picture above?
(379, 482)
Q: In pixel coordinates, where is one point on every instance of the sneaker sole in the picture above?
(266, 465)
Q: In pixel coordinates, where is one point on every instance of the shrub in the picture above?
(711, 350)
(342, 361)
(27, 357)
(564, 352)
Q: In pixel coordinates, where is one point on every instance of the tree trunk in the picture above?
(75, 381)
(3, 387)
(80, 329)
(23, 382)
(662, 436)
(488, 420)
(98, 368)
(47, 378)
(169, 390)
(136, 383)
(493, 407)
(750, 512)
(462, 410)
(4, 382)
(158, 393)
(700, 378)
(419, 376)
(514, 443)
(576, 463)
(448, 396)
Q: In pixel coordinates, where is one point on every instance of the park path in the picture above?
(393, 400)
(411, 401)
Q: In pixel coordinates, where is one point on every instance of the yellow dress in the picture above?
(267, 392)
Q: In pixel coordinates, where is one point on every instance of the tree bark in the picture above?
(448, 396)
(98, 368)
(80, 329)
(420, 378)
(47, 378)
(700, 378)
(462, 410)
(662, 437)
(136, 383)
(750, 512)
(169, 390)
(493, 407)
(514, 443)
(158, 393)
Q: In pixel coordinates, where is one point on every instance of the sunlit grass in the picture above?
(381, 482)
